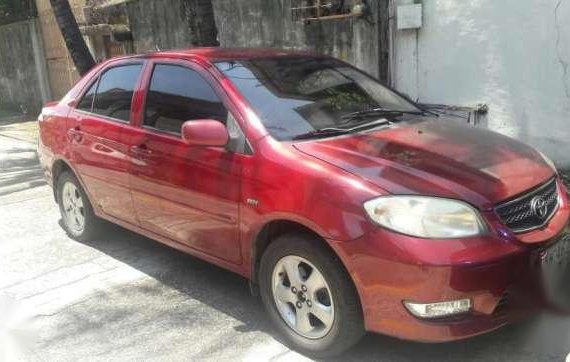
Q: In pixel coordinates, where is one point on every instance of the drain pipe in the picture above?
(391, 42)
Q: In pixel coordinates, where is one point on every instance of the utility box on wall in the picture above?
(409, 16)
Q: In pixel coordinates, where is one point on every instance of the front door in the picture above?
(185, 193)
(96, 129)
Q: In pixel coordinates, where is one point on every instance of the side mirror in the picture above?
(205, 132)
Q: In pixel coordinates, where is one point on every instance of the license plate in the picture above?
(557, 256)
(555, 262)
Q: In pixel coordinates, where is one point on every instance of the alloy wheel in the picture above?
(73, 209)
(302, 297)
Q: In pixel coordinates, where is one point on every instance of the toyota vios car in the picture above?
(349, 207)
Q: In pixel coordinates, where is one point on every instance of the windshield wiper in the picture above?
(379, 111)
(329, 131)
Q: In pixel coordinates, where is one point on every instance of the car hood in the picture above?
(437, 158)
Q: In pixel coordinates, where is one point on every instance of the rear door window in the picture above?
(115, 92)
(86, 102)
(178, 94)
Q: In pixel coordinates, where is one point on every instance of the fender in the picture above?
(251, 236)
(266, 219)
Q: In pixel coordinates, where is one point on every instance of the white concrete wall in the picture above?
(513, 55)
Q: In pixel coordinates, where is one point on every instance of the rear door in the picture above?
(186, 193)
(96, 131)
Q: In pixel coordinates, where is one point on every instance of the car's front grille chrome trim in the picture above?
(518, 214)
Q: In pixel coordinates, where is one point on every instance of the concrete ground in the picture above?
(125, 297)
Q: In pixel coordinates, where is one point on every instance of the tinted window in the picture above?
(115, 92)
(296, 95)
(87, 100)
(178, 94)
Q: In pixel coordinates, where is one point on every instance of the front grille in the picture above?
(521, 214)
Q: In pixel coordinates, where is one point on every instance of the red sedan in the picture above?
(349, 207)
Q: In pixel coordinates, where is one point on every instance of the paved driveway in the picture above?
(125, 297)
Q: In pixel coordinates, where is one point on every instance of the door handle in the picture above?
(75, 134)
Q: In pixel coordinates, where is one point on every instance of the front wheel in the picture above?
(309, 296)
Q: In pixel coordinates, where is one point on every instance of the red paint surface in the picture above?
(195, 198)
(205, 133)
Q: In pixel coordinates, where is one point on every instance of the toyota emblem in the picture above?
(539, 207)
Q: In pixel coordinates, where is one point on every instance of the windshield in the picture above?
(297, 95)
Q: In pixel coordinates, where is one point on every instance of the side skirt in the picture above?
(235, 268)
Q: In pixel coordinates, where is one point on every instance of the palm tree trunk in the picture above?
(73, 40)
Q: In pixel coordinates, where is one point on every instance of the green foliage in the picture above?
(339, 99)
(16, 10)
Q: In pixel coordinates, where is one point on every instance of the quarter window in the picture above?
(87, 101)
(178, 94)
(115, 92)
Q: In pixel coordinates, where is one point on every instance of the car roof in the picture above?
(220, 54)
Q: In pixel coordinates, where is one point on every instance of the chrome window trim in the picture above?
(107, 118)
(178, 136)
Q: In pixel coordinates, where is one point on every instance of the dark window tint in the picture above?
(178, 94)
(296, 95)
(87, 100)
(115, 91)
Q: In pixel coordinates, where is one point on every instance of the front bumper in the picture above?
(499, 272)
(383, 285)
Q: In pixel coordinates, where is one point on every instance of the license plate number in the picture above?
(555, 262)
(558, 255)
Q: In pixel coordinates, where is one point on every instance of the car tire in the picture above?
(78, 219)
(338, 298)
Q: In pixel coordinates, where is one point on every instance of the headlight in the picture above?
(426, 217)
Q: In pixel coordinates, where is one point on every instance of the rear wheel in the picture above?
(309, 296)
(77, 215)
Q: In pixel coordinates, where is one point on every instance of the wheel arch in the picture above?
(57, 169)
(273, 229)
(60, 166)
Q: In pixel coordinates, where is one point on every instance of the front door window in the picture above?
(177, 94)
